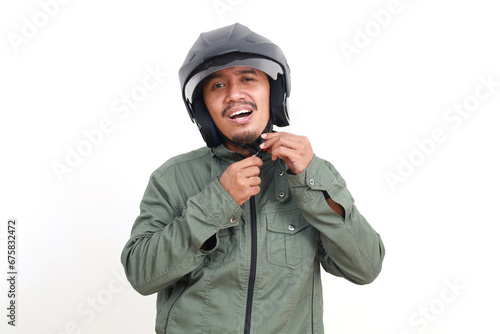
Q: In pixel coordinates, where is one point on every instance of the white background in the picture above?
(364, 112)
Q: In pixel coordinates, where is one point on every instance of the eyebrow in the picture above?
(250, 70)
(217, 75)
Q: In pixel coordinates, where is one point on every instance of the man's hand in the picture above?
(295, 151)
(241, 179)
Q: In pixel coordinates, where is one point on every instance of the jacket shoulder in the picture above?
(186, 160)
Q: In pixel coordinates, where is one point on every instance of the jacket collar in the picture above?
(224, 153)
(225, 156)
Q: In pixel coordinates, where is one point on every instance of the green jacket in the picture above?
(259, 268)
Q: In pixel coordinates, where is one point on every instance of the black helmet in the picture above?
(232, 46)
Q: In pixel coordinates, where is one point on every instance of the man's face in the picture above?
(237, 98)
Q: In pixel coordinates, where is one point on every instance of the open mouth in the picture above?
(241, 114)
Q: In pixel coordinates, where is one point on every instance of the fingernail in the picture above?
(264, 135)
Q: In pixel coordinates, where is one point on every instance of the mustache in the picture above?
(240, 103)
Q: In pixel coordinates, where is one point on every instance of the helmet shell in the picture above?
(231, 46)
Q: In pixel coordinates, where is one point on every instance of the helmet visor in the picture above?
(271, 68)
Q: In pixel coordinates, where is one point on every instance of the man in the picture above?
(231, 236)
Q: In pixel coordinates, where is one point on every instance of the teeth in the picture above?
(240, 112)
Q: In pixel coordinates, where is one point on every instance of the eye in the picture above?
(218, 85)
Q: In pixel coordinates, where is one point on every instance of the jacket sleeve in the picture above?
(348, 247)
(168, 235)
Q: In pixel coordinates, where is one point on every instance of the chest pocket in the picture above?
(226, 250)
(291, 241)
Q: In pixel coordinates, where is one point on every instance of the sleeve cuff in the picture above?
(316, 179)
(219, 208)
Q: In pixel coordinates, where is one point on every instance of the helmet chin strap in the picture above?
(253, 147)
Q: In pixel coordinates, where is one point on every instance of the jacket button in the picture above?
(232, 220)
(291, 227)
(281, 194)
(281, 173)
(311, 182)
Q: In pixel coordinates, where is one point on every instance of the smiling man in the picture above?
(237, 99)
(232, 236)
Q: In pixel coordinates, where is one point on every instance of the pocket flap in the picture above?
(288, 222)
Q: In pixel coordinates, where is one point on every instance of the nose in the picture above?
(235, 92)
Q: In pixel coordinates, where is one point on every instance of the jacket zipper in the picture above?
(253, 265)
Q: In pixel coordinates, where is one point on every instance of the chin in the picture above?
(245, 137)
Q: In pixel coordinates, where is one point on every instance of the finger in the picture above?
(280, 143)
(274, 135)
(282, 139)
(254, 181)
(269, 135)
(284, 153)
(250, 172)
(250, 162)
(270, 138)
(254, 191)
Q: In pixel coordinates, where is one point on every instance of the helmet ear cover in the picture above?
(201, 116)
(279, 101)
